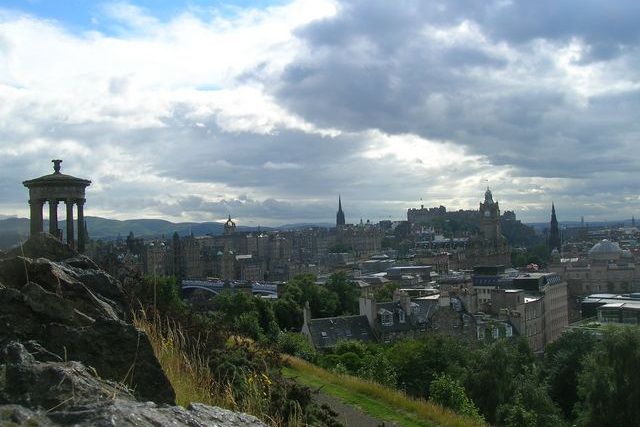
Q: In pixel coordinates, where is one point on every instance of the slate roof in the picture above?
(326, 332)
(425, 310)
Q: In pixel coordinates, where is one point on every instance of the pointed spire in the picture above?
(555, 241)
(340, 215)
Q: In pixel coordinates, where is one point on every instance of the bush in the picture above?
(298, 345)
(449, 393)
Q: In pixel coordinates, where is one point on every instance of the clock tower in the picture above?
(490, 218)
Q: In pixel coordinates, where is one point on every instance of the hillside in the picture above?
(13, 230)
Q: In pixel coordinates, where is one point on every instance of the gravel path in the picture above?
(349, 415)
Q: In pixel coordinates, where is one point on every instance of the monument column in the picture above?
(53, 217)
(69, 204)
(36, 216)
(81, 235)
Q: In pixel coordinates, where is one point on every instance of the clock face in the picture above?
(487, 213)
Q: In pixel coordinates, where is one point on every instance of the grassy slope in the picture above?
(378, 401)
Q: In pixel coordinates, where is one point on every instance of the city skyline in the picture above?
(269, 110)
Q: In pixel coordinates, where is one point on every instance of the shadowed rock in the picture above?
(76, 311)
(54, 393)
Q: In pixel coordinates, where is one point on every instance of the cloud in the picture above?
(269, 113)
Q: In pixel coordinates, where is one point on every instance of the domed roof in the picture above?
(230, 222)
(605, 247)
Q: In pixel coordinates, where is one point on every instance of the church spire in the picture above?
(340, 215)
(554, 231)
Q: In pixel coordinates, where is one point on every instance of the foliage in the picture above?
(339, 296)
(296, 344)
(490, 380)
(206, 363)
(609, 384)
(346, 291)
(538, 254)
(385, 292)
(448, 392)
(530, 405)
(249, 315)
(419, 361)
(158, 293)
(562, 364)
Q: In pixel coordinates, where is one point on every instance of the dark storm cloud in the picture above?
(608, 28)
(379, 65)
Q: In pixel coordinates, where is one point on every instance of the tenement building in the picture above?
(536, 304)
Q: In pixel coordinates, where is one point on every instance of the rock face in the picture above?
(44, 391)
(76, 311)
(67, 355)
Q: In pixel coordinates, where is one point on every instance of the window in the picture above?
(387, 319)
(401, 316)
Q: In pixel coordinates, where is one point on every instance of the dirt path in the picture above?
(349, 415)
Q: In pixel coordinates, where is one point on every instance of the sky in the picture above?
(268, 110)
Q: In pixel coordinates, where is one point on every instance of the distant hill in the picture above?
(13, 230)
(540, 226)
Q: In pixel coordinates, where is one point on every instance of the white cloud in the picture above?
(300, 101)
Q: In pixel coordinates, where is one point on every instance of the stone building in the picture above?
(536, 304)
(606, 268)
(403, 317)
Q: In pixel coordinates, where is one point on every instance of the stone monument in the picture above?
(54, 188)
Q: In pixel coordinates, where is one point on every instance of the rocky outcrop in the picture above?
(75, 310)
(38, 389)
(67, 354)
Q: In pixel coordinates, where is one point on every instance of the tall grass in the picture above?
(186, 365)
(394, 399)
(183, 362)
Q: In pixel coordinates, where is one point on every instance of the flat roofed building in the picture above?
(627, 312)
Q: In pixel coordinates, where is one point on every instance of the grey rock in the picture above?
(77, 313)
(38, 393)
(125, 413)
(43, 245)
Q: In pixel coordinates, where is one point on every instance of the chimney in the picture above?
(404, 299)
(368, 308)
(306, 311)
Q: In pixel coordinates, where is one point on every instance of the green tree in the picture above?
(288, 313)
(161, 293)
(302, 288)
(530, 404)
(609, 384)
(562, 364)
(448, 392)
(298, 345)
(418, 362)
(385, 292)
(346, 292)
(490, 382)
(377, 367)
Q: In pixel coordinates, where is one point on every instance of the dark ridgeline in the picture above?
(340, 215)
(554, 232)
